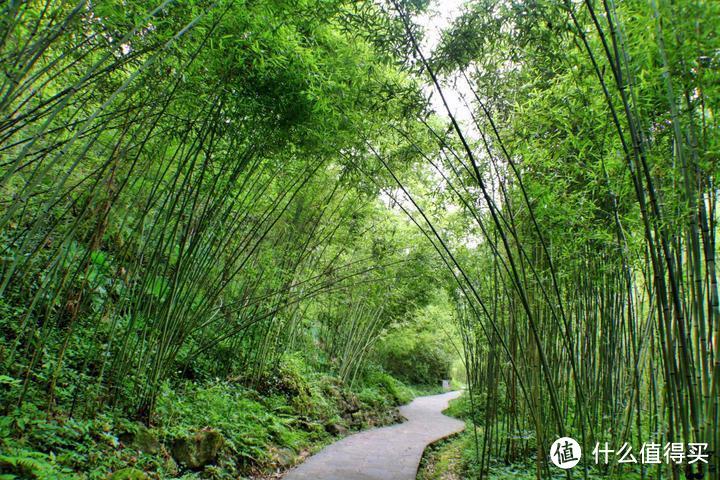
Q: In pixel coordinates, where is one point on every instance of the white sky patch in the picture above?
(440, 16)
(391, 198)
(459, 96)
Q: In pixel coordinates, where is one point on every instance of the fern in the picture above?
(22, 464)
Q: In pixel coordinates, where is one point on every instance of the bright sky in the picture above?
(439, 16)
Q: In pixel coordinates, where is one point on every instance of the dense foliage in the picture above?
(583, 152)
(225, 225)
(184, 208)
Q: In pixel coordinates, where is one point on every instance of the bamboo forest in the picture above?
(359, 240)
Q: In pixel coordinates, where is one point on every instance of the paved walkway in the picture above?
(389, 453)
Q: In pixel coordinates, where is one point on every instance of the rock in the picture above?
(336, 429)
(350, 404)
(198, 450)
(129, 474)
(284, 457)
(143, 439)
(396, 417)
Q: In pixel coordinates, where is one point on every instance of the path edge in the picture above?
(443, 438)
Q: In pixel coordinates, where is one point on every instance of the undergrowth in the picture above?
(456, 457)
(262, 430)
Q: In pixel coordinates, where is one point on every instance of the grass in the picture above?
(442, 461)
(454, 458)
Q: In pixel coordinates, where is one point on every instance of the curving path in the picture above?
(388, 453)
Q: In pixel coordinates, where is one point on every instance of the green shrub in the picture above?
(35, 444)
(418, 359)
(18, 463)
(291, 413)
(249, 426)
(376, 378)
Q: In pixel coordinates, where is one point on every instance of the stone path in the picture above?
(389, 453)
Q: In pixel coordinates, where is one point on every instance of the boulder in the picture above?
(196, 451)
(335, 429)
(142, 439)
(284, 457)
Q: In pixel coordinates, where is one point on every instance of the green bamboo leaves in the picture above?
(580, 162)
(173, 188)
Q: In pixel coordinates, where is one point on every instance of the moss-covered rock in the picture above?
(284, 457)
(198, 450)
(142, 439)
(336, 428)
